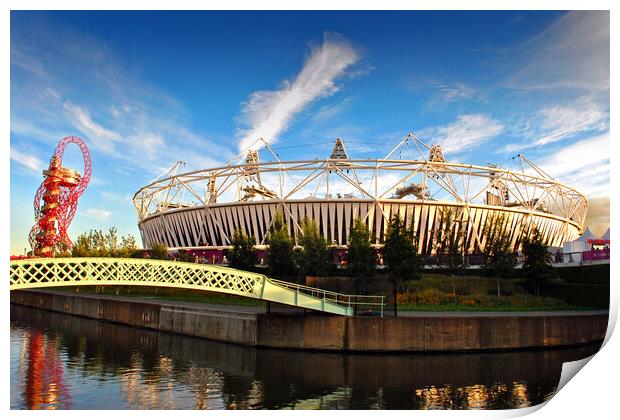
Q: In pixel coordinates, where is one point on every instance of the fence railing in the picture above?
(49, 272)
(351, 301)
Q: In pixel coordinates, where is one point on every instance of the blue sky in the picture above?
(145, 89)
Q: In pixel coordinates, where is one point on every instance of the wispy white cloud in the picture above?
(267, 114)
(361, 71)
(442, 93)
(466, 132)
(446, 93)
(27, 160)
(116, 197)
(572, 53)
(331, 111)
(115, 112)
(94, 181)
(148, 144)
(26, 61)
(583, 165)
(560, 122)
(556, 123)
(96, 213)
(456, 91)
(80, 118)
(133, 124)
(110, 196)
(30, 130)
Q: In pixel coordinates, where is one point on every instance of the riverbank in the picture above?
(418, 332)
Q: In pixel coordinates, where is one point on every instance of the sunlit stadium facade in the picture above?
(201, 209)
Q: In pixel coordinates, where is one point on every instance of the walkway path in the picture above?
(497, 314)
(292, 310)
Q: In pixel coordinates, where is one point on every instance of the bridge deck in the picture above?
(51, 272)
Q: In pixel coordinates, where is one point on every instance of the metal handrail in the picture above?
(335, 297)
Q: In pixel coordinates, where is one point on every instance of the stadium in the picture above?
(200, 210)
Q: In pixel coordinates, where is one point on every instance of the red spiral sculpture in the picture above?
(60, 191)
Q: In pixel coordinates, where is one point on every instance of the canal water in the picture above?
(65, 362)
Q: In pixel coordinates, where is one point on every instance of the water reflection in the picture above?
(60, 361)
(41, 366)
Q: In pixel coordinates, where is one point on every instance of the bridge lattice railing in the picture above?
(70, 271)
(48, 272)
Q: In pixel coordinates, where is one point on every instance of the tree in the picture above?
(449, 242)
(537, 268)
(314, 258)
(62, 251)
(242, 256)
(83, 246)
(400, 254)
(111, 243)
(128, 246)
(159, 252)
(99, 244)
(95, 243)
(498, 255)
(185, 256)
(360, 256)
(280, 251)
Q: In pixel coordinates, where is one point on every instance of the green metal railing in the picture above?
(50, 272)
(351, 301)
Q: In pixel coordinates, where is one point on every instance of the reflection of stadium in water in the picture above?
(136, 368)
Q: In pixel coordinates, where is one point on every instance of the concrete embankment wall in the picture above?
(326, 332)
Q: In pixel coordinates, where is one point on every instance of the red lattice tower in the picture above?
(60, 191)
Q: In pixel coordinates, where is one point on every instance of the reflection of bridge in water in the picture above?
(49, 272)
(160, 370)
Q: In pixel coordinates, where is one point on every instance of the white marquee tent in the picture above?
(572, 250)
(607, 235)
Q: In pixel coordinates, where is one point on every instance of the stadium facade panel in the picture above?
(213, 226)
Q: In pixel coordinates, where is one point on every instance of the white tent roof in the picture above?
(586, 235)
(607, 235)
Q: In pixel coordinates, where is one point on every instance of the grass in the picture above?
(438, 292)
(431, 293)
(468, 308)
(165, 293)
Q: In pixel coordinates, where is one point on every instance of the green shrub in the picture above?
(280, 249)
(158, 252)
(242, 256)
(185, 256)
(95, 243)
(438, 289)
(314, 257)
(361, 256)
(595, 295)
(591, 274)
